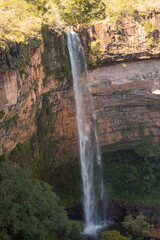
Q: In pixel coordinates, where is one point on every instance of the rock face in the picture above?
(20, 94)
(126, 109)
(127, 39)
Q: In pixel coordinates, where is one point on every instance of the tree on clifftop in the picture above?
(81, 11)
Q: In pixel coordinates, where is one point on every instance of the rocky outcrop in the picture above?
(126, 39)
(20, 96)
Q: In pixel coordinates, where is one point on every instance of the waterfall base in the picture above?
(93, 229)
(94, 232)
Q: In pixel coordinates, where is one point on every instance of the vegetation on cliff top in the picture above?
(116, 9)
(50, 162)
(137, 228)
(112, 235)
(29, 209)
(22, 19)
(22, 22)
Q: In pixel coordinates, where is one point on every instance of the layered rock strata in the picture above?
(21, 94)
(125, 39)
(126, 109)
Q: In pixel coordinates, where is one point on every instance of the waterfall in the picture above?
(90, 156)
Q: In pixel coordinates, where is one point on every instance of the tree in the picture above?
(137, 228)
(29, 209)
(76, 228)
(81, 11)
(112, 235)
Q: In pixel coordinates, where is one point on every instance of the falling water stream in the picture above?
(90, 155)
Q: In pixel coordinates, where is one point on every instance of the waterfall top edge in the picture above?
(70, 30)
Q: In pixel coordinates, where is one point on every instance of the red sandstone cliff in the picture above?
(125, 107)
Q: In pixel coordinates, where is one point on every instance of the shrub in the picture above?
(137, 228)
(80, 11)
(112, 235)
(17, 15)
(150, 30)
(2, 114)
(119, 8)
(95, 46)
(76, 228)
(29, 209)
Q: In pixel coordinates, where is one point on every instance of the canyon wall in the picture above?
(126, 108)
(125, 39)
(122, 78)
(20, 96)
(22, 90)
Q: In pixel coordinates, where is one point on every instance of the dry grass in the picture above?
(20, 20)
(123, 8)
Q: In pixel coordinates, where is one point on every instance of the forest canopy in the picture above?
(29, 209)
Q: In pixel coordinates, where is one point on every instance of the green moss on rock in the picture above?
(15, 55)
(2, 113)
(55, 58)
(48, 158)
(9, 123)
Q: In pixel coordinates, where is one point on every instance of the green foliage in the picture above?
(150, 30)
(2, 113)
(94, 56)
(10, 122)
(22, 72)
(29, 209)
(52, 40)
(17, 15)
(137, 228)
(116, 9)
(80, 11)
(14, 55)
(31, 15)
(95, 46)
(148, 150)
(76, 228)
(112, 235)
(133, 176)
(49, 160)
